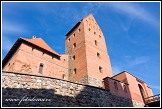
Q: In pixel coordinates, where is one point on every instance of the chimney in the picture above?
(34, 37)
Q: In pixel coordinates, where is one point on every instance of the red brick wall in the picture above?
(28, 60)
(134, 88)
(79, 51)
(121, 90)
(93, 61)
(87, 62)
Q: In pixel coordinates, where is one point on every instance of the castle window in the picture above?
(125, 88)
(86, 22)
(96, 42)
(8, 64)
(69, 40)
(74, 35)
(74, 71)
(115, 85)
(40, 68)
(64, 59)
(99, 36)
(74, 45)
(98, 55)
(89, 29)
(100, 69)
(63, 76)
(94, 32)
(79, 30)
(74, 57)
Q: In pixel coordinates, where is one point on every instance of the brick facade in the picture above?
(90, 48)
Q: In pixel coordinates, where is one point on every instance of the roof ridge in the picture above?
(41, 43)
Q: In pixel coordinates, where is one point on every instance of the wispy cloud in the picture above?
(10, 27)
(137, 61)
(154, 87)
(133, 10)
(129, 62)
(116, 70)
(6, 43)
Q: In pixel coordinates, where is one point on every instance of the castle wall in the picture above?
(57, 92)
(9, 66)
(120, 89)
(134, 86)
(28, 59)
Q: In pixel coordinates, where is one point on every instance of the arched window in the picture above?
(125, 88)
(115, 85)
(141, 91)
(40, 68)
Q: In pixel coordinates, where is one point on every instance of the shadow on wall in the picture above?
(88, 97)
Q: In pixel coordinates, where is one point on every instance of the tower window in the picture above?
(99, 36)
(125, 88)
(79, 30)
(74, 45)
(69, 40)
(100, 69)
(86, 22)
(94, 32)
(74, 35)
(115, 85)
(40, 68)
(96, 42)
(8, 64)
(98, 55)
(89, 29)
(74, 71)
(63, 76)
(74, 57)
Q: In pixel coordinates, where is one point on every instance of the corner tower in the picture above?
(88, 62)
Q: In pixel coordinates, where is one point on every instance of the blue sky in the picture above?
(131, 30)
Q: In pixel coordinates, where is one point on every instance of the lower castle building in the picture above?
(85, 62)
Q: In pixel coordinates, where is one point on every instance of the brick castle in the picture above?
(85, 61)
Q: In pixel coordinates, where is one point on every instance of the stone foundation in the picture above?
(32, 90)
(90, 81)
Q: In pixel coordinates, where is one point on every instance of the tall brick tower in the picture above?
(88, 62)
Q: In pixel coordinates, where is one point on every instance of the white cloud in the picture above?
(133, 10)
(137, 61)
(6, 43)
(116, 70)
(128, 62)
(154, 87)
(8, 27)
